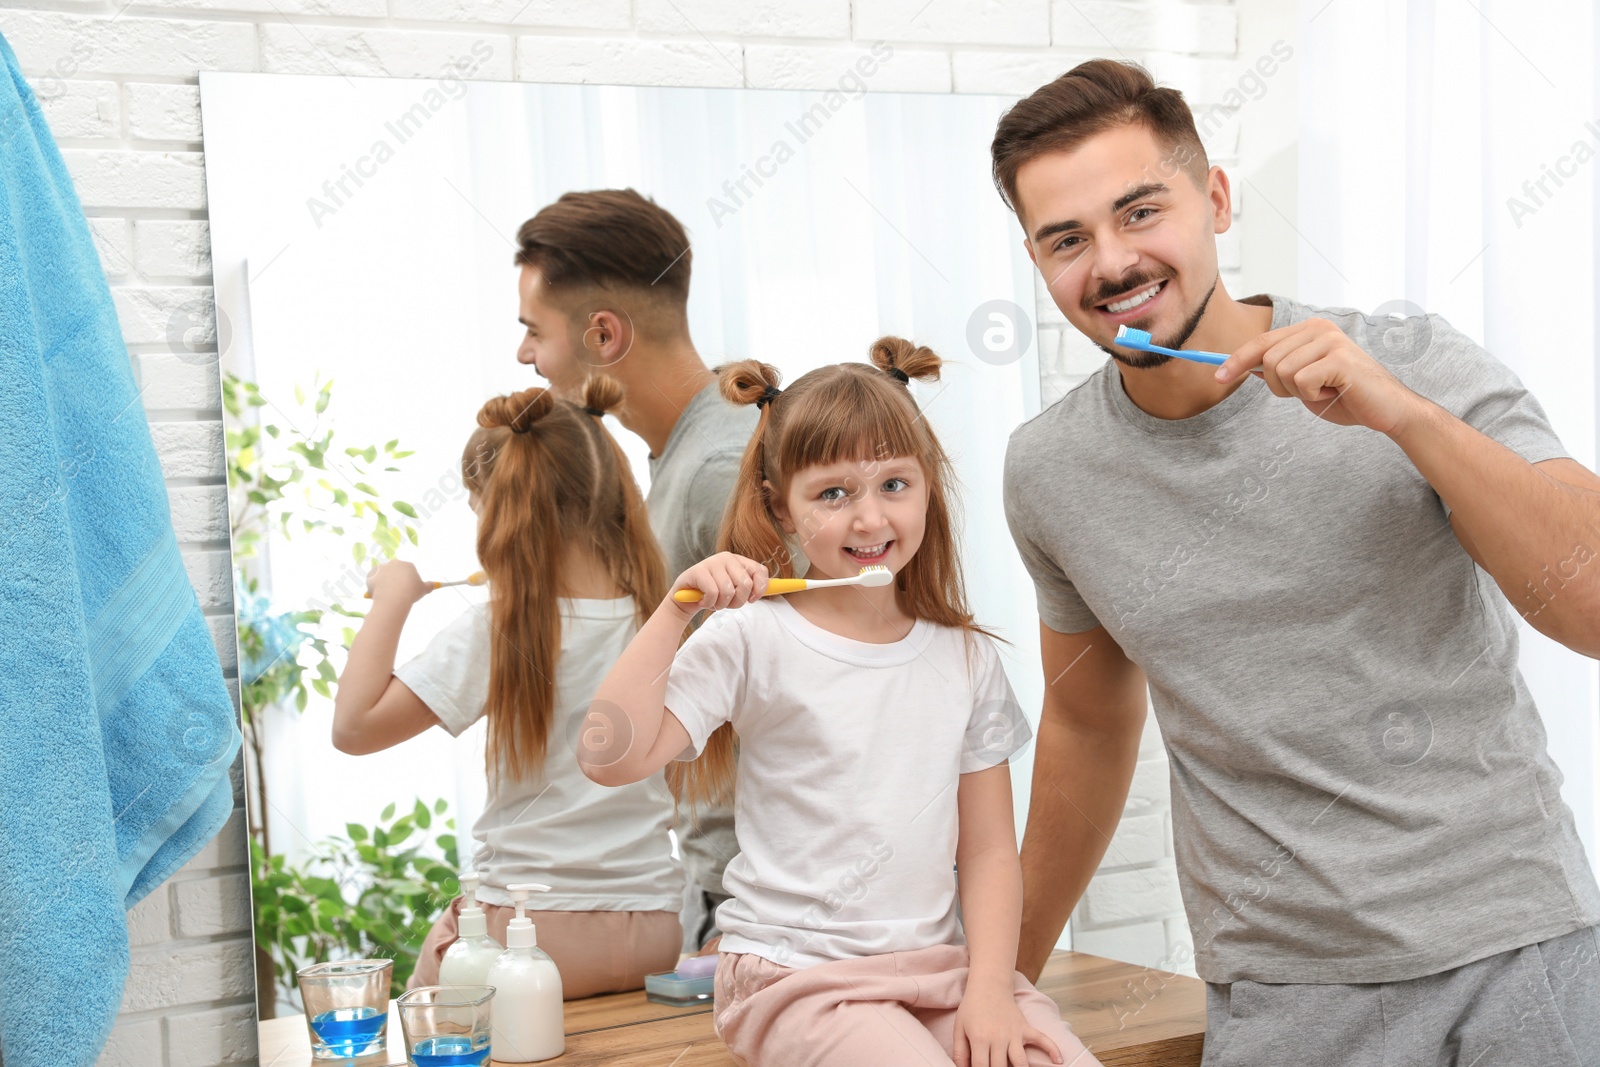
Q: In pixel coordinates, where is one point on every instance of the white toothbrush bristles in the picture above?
(875, 575)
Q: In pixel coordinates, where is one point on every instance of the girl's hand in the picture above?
(725, 581)
(396, 582)
(990, 1022)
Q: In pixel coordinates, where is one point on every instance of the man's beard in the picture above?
(1132, 357)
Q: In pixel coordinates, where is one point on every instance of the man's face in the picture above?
(1123, 236)
(549, 344)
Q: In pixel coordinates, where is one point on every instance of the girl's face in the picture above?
(856, 513)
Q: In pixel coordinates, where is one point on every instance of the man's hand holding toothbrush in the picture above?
(1336, 379)
(1511, 516)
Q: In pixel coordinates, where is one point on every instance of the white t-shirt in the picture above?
(849, 760)
(598, 848)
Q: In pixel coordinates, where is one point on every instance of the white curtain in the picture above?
(1448, 155)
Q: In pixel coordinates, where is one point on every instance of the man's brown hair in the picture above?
(1090, 99)
(611, 239)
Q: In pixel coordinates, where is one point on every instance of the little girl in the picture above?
(573, 569)
(874, 725)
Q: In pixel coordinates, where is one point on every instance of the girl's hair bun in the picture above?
(746, 381)
(518, 411)
(911, 359)
(602, 393)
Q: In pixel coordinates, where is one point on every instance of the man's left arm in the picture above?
(1534, 527)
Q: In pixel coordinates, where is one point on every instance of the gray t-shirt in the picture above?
(692, 478)
(690, 483)
(1360, 787)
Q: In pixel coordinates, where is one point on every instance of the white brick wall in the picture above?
(119, 83)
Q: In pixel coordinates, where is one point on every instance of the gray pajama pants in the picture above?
(1536, 1006)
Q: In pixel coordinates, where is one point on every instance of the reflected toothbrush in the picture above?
(475, 578)
(1128, 337)
(875, 575)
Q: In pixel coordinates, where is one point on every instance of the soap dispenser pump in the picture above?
(528, 1021)
(468, 960)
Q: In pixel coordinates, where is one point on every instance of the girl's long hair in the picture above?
(547, 474)
(847, 411)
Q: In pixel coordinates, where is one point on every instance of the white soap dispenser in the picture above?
(468, 960)
(528, 1021)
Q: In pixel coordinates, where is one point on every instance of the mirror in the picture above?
(362, 240)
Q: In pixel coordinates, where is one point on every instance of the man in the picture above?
(1307, 554)
(605, 287)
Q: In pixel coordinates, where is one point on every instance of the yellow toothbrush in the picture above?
(875, 575)
(475, 578)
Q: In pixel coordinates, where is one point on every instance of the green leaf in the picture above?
(356, 831)
(405, 509)
(387, 814)
(367, 489)
(439, 806)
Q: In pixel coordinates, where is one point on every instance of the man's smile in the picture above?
(1130, 306)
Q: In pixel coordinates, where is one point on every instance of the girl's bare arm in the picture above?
(372, 709)
(628, 733)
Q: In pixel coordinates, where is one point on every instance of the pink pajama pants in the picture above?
(873, 1011)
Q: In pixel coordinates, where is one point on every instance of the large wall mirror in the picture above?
(362, 237)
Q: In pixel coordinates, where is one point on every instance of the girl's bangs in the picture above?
(852, 422)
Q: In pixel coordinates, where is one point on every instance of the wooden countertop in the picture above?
(1127, 1016)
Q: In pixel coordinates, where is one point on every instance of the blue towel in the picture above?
(116, 730)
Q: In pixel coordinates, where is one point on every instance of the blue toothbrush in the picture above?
(1140, 339)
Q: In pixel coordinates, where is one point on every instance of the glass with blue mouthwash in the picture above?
(347, 1007)
(446, 1026)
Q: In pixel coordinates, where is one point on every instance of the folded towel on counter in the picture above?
(116, 730)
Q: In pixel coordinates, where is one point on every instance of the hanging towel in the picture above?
(116, 730)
